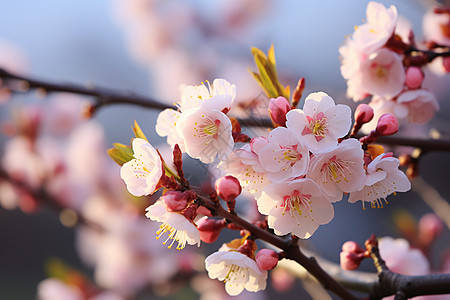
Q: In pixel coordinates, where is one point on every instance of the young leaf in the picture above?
(120, 153)
(138, 131)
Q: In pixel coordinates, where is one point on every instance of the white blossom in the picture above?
(142, 173)
(179, 228)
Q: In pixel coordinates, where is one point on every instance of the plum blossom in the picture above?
(383, 178)
(142, 173)
(244, 164)
(416, 106)
(296, 207)
(320, 123)
(400, 258)
(166, 125)
(237, 270)
(339, 170)
(382, 73)
(178, 227)
(201, 127)
(206, 134)
(379, 28)
(284, 157)
(218, 96)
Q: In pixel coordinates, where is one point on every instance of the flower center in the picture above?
(337, 169)
(296, 202)
(175, 235)
(317, 126)
(232, 272)
(292, 155)
(211, 129)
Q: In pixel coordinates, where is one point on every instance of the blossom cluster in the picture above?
(377, 61)
(294, 173)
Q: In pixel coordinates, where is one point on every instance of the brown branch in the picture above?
(404, 286)
(292, 249)
(106, 97)
(103, 96)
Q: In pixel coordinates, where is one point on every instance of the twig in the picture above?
(404, 286)
(105, 97)
(292, 250)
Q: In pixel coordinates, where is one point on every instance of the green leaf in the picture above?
(138, 131)
(120, 153)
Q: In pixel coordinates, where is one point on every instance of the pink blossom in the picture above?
(400, 258)
(382, 73)
(296, 207)
(380, 26)
(284, 157)
(245, 166)
(416, 106)
(339, 170)
(383, 178)
(206, 134)
(436, 26)
(320, 123)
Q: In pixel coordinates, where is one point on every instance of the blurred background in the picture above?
(149, 48)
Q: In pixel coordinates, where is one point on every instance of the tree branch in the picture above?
(404, 286)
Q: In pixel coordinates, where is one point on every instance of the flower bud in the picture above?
(387, 125)
(228, 188)
(363, 114)
(267, 259)
(209, 229)
(430, 227)
(352, 255)
(446, 64)
(278, 108)
(175, 201)
(351, 246)
(350, 260)
(414, 77)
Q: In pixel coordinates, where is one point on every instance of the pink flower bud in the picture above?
(351, 246)
(387, 125)
(352, 255)
(278, 108)
(175, 200)
(267, 259)
(363, 114)
(414, 77)
(430, 227)
(350, 260)
(209, 229)
(446, 64)
(228, 188)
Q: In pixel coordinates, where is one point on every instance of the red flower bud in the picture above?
(414, 77)
(267, 259)
(350, 260)
(278, 108)
(352, 255)
(228, 188)
(387, 125)
(363, 114)
(209, 229)
(175, 201)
